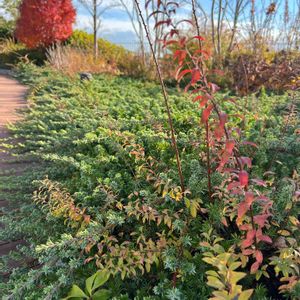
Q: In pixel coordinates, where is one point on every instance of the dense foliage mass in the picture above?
(42, 23)
(107, 194)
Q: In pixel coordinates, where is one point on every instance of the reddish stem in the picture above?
(209, 185)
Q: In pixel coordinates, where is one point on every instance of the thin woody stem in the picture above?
(209, 184)
(235, 152)
(165, 95)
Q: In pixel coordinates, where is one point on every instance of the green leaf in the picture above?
(76, 292)
(101, 295)
(89, 283)
(101, 277)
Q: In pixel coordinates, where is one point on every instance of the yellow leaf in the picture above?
(245, 295)
(294, 220)
(172, 195)
(212, 273)
(193, 208)
(284, 232)
(220, 295)
(236, 276)
(187, 202)
(215, 282)
(234, 266)
(123, 274)
(148, 267)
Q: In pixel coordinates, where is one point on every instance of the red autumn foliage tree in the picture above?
(44, 22)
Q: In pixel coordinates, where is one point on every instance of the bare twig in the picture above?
(165, 95)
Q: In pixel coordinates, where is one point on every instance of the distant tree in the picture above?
(96, 8)
(42, 23)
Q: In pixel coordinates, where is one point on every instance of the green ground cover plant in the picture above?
(106, 194)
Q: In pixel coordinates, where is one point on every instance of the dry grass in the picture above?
(71, 61)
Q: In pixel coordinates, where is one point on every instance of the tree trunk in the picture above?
(95, 29)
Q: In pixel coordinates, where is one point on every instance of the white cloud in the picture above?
(110, 25)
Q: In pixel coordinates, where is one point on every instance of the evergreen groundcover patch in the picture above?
(105, 194)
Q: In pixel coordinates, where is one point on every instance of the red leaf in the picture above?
(254, 267)
(245, 227)
(199, 37)
(170, 42)
(248, 252)
(229, 146)
(196, 99)
(154, 13)
(243, 178)
(232, 185)
(204, 53)
(182, 41)
(206, 113)
(264, 238)
(242, 209)
(182, 74)
(249, 238)
(196, 76)
(249, 197)
(160, 23)
(219, 132)
(246, 161)
(147, 3)
(173, 32)
(203, 102)
(223, 118)
(180, 55)
(260, 220)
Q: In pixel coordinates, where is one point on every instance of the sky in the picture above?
(117, 28)
(115, 25)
